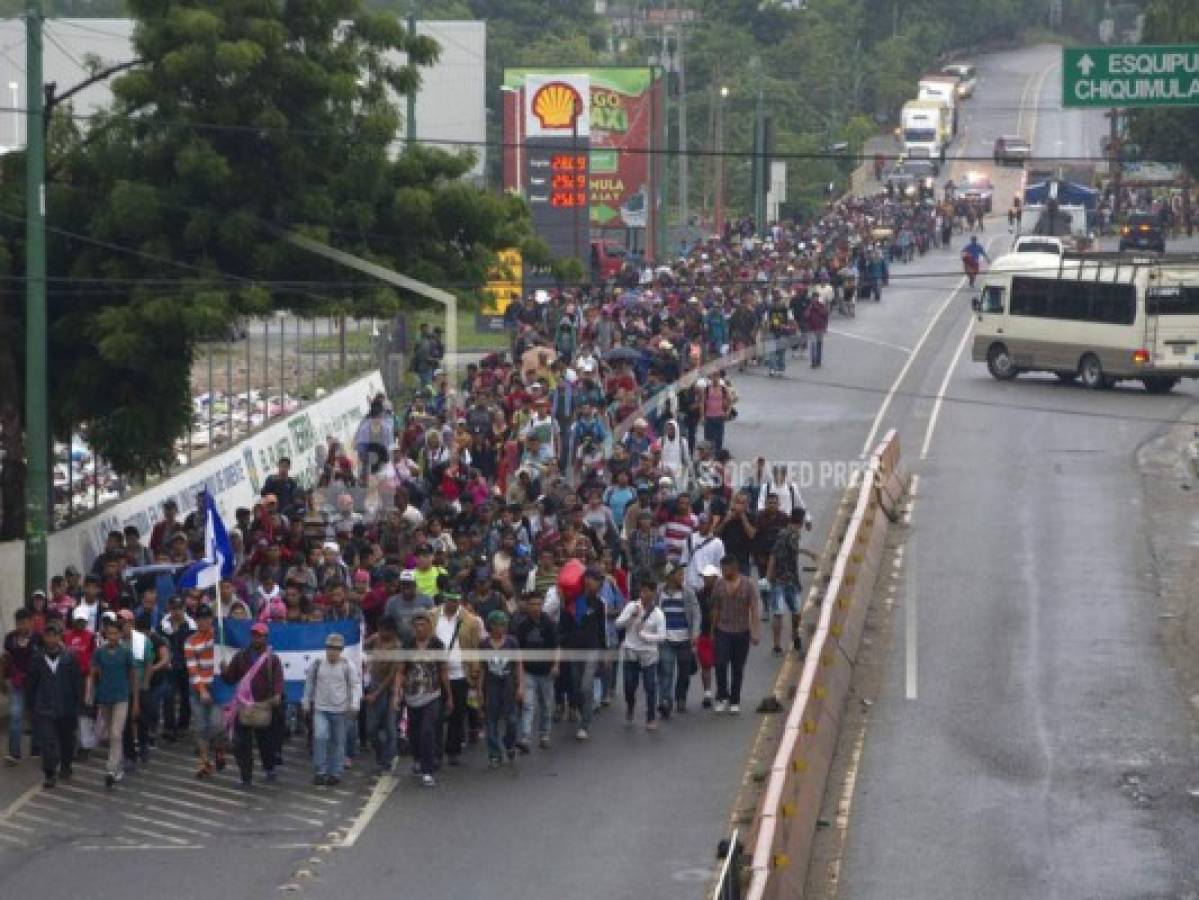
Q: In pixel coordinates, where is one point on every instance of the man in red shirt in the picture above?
(80, 641)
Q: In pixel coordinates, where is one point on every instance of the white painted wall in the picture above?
(234, 478)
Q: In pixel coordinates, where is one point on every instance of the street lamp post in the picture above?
(724, 93)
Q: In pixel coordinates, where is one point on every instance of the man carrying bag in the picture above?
(258, 674)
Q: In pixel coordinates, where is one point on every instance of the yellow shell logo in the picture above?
(557, 105)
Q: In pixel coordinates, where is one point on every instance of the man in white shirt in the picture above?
(457, 628)
(788, 493)
(645, 629)
(701, 549)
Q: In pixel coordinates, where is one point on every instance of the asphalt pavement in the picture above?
(1047, 750)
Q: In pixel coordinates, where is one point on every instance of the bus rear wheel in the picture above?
(1000, 363)
(1159, 384)
(1091, 372)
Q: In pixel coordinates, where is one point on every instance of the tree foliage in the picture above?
(1169, 135)
(244, 118)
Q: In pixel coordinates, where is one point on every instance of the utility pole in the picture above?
(721, 96)
(410, 124)
(1115, 150)
(684, 206)
(760, 164)
(37, 433)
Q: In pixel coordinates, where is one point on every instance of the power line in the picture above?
(861, 156)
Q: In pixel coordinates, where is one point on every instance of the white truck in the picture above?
(924, 129)
(945, 88)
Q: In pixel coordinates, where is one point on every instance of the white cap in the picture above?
(541, 296)
(330, 545)
(572, 376)
(709, 570)
(701, 382)
(80, 615)
(407, 575)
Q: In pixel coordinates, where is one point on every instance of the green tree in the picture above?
(242, 118)
(1169, 135)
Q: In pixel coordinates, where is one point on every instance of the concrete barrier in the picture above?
(780, 837)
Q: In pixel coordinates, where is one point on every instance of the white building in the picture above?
(450, 108)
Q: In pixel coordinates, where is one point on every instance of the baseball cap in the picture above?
(335, 640)
(407, 575)
(330, 545)
(71, 570)
(80, 615)
(204, 611)
(709, 571)
(259, 628)
(91, 579)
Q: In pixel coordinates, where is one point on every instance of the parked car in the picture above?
(1142, 231)
(1011, 148)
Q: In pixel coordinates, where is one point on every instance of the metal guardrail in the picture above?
(728, 885)
(785, 823)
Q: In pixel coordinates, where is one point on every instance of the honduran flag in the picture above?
(296, 645)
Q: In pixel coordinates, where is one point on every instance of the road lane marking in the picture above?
(869, 340)
(383, 788)
(909, 621)
(16, 805)
(932, 419)
(886, 404)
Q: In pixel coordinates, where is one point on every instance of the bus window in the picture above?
(992, 299)
(1030, 297)
(1172, 301)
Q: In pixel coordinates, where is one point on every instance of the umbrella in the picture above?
(622, 354)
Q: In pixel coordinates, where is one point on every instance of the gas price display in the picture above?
(568, 180)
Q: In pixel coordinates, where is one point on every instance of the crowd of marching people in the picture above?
(556, 531)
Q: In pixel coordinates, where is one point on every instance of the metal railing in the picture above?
(728, 883)
(256, 372)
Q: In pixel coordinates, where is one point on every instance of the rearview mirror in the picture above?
(976, 303)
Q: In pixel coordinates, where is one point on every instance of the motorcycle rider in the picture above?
(970, 256)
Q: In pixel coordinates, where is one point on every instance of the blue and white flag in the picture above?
(296, 645)
(218, 552)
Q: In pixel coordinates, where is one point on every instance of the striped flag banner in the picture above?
(296, 645)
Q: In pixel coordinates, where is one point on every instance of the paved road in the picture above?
(631, 814)
(1048, 751)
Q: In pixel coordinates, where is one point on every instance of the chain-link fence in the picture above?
(258, 371)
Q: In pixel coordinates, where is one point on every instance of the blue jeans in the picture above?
(539, 696)
(329, 742)
(784, 597)
(676, 662)
(648, 675)
(16, 720)
(582, 684)
(817, 348)
(381, 728)
(500, 709)
(778, 356)
(714, 432)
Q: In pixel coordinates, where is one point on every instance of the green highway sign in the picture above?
(1165, 75)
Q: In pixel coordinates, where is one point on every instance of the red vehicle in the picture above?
(607, 260)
